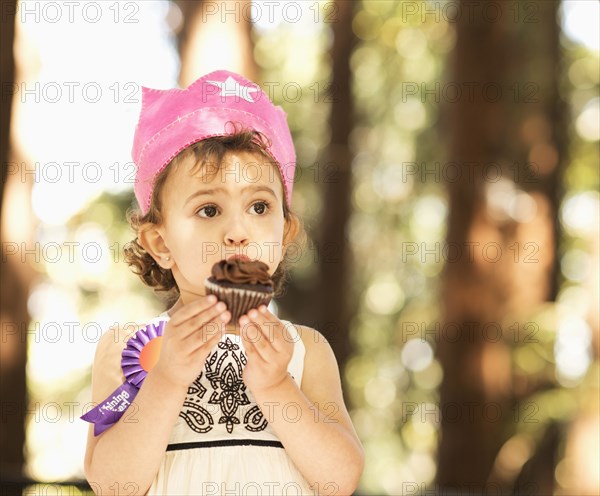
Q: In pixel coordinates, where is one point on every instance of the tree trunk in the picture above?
(334, 257)
(14, 282)
(215, 35)
(504, 259)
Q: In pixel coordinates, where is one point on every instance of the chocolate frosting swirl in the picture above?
(242, 272)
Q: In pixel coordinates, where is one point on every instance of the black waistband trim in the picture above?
(224, 442)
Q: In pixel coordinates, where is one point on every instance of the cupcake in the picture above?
(241, 284)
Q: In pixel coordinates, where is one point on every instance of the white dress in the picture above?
(222, 443)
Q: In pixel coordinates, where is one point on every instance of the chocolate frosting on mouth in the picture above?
(238, 271)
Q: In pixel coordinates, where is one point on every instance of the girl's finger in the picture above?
(271, 327)
(192, 309)
(214, 315)
(210, 338)
(253, 340)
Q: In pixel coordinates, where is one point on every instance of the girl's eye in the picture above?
(209, 211)
(260, 207)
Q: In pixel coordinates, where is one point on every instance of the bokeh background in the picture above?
(448, 179)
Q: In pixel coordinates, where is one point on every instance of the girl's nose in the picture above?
(236, 240)
(236, 234)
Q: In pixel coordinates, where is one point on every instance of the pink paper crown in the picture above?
(171, 120)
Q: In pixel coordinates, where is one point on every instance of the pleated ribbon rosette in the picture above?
(139, 357)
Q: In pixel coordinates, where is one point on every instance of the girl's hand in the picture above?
(189, 336)
(269, 349)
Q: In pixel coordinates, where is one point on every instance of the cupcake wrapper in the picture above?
(238, 301)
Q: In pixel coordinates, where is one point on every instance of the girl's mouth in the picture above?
(238, 257)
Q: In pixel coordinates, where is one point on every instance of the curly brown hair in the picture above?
(211, 150)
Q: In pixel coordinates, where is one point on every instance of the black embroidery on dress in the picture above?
(196, 417)
(229, 389)
(223, 369)
(196, 388)
(255, 420)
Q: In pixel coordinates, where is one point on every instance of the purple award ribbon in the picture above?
(137, 359)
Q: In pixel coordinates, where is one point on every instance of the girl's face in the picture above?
(210, 216)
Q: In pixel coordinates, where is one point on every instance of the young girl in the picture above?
(247, 407)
